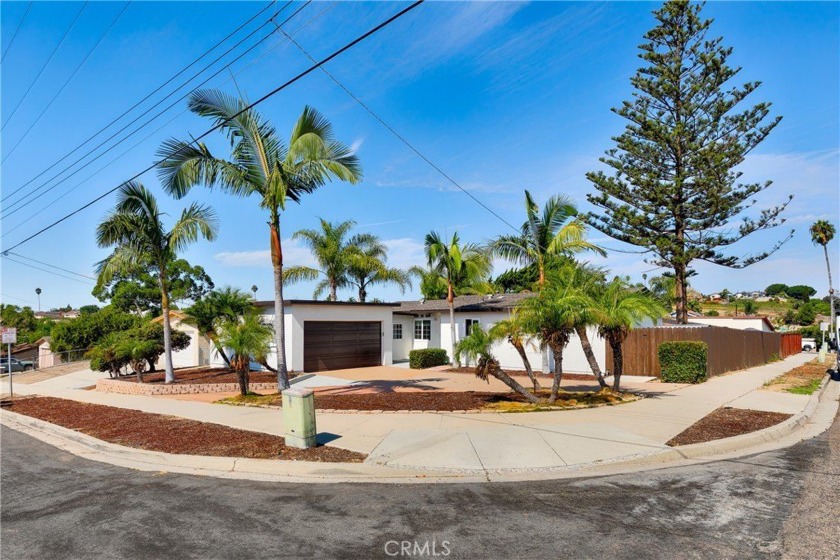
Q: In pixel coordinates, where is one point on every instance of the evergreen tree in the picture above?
(673, 190)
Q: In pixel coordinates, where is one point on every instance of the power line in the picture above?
(259, 101)
(44, 67)
(48, 271)
(22, 202)
(167, 123)
(19, 299)
(12, 40)
(90, 52)
(398, 135)
(18, 255)
(160, 87)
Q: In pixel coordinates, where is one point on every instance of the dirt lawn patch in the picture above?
(727, 422)
(168, 434)
(802, 380)
(541, 377)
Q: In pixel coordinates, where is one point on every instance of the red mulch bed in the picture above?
(523, 373)
(157, 432)
(203, 375)
(727, 422)
(440, 401)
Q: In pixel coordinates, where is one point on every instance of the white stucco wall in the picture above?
(757, 323)
(297, 314)
(403, 346)
(189, 356)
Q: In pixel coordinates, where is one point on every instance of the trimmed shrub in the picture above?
(427, 357)
(683, 361)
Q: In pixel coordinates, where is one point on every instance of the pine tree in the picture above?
(674, 191)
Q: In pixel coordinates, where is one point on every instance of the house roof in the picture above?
(173, 314)
(270, 303)
(493, 302)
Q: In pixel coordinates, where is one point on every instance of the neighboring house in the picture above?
(57, 315)
(743, 323)
(714, 297)
(198, 352)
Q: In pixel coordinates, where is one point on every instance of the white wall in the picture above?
(574, 360)
(402, 347)
(189, 356)
(297, 314)
(732, 323)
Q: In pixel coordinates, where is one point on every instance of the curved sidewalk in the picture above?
(494, 446)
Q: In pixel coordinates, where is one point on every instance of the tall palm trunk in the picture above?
(590, 355)
(453, 329)
(520, 348)
(500, 374)
(167, 328)
(362, 293)
(557, 346)
(279, 308)
(618, 361)
(832, 324)
(333, 292)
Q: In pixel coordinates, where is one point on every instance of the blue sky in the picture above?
(502, 96)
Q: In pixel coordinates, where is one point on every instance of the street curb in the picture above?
(815, 418)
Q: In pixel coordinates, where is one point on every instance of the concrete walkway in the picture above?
(487, 442)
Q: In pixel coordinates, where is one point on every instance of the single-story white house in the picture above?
(741, 323)
(199, 352)
(326, 335)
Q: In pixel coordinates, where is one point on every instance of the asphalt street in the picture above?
(780, 504)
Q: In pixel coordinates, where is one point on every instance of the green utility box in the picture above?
(299, 417)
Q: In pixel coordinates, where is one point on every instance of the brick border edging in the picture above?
(153, 389)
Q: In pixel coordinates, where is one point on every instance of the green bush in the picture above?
(426, 358)
(683, 361)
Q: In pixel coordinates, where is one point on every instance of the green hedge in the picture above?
(426, 358)
(683, 361)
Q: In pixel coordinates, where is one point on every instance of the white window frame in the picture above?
(468, 323)
(423, 331)
(398, 331)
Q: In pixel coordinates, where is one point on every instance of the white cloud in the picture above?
(357, 143)
(405, 252)
(294, 254)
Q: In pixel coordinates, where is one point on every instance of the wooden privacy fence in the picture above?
(729, 349)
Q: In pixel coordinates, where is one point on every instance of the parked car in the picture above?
(17, 365)
(809, 344)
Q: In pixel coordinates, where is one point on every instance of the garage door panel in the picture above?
(331, 345)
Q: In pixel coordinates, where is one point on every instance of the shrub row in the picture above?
(683, 361)
(427, 357)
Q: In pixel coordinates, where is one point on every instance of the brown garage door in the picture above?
(341, 344)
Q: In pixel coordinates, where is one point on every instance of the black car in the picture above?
(17, 365)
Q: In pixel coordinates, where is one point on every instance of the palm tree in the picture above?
(546, 236)
(457, 264)
(589, 280)
(554, 314)
(368, 267)
(136, 231)
(334, 252)
(620, 307)
(225, 304)
(513, 331)
(261, 165)
(249, 340)
(822, 232)
(475, 347)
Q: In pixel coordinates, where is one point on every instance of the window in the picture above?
(470, 323)
(397, 331)
(423, 329)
